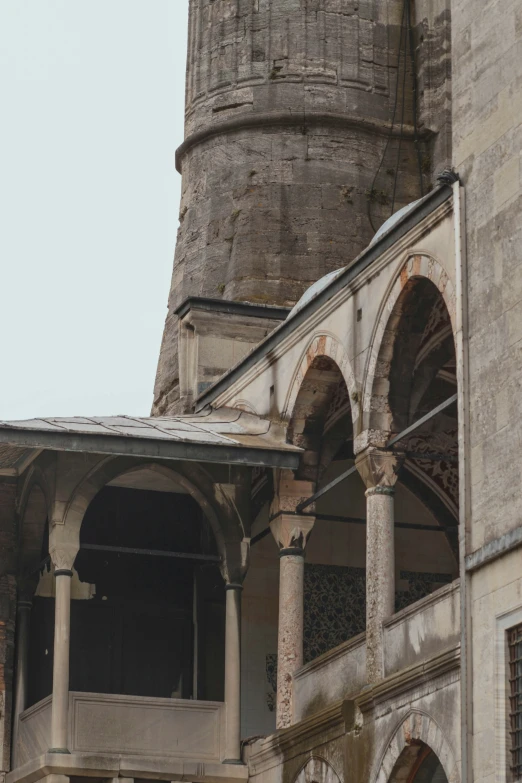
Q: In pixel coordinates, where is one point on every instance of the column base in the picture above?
(233, 761)
(60, 750)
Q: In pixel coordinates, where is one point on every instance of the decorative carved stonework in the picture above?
(292, 531)
(378, 468)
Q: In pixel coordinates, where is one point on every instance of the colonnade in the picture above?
(378, 469)
(291, 531)
(63, 558)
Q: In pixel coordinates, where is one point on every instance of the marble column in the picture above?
(63, 548)
(291, 532)
(378, 469)
(233, 673)
(62, 636)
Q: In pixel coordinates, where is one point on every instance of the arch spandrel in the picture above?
(327, 345)
(220, 509)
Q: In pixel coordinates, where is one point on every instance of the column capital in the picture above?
(379, 469)
(64, 544)
(291, 532)
(235, 563)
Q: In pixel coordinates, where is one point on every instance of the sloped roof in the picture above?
(225, 435)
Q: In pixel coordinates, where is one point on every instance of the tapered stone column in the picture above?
(379, 470)
(62, 638)
(63, 553)
(291, 532)
(233, 673)
(233, 570)
(23, 627)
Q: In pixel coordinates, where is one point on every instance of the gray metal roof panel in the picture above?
(226, 435)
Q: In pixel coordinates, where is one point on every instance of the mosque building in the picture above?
(305, 566)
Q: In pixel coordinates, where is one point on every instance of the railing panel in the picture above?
(330, 677)
(101, 723)
(34, 734)
(424, 629)
(128, 725)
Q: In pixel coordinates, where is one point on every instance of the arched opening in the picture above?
(320, 423)
(147, 608)
(418, 764)
(417, 373)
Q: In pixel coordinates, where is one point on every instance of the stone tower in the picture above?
(299, 142)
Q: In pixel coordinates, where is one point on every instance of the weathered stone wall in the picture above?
(7, 617)
(487, 141)
(432, 40)
(288, 115)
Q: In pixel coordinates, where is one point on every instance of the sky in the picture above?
(92, 95)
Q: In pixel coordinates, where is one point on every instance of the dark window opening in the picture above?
(147, 629)
(515, 699)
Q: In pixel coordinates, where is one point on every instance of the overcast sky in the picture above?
(92, 111)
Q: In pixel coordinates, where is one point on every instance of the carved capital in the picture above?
(292, 531)
(378, 469)
(237, 559)
(64, 544)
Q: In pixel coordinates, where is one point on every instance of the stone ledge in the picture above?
(494, 549)
(299, 119)
(423, 603)
(408, 679)
(107, 766)
(321, 727)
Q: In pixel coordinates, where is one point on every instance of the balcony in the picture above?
(420, 632)
(128, 736)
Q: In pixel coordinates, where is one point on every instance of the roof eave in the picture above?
(147, 448)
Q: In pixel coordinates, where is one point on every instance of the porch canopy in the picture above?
(226, 435)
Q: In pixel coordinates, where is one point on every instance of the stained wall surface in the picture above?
(288, 115)
(487, 143)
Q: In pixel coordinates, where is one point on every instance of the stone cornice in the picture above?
(291, 119)
(323, 726)
(429, 600)
(494, 549)
(332, 722)
(408, 679)
(231, 308)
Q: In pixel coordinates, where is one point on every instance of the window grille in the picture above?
(515, 699)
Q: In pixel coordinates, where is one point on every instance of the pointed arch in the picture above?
(416, 729)
(220, 511)
(317, 770)
(323, 344)
(320, 395)
(375, 385)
